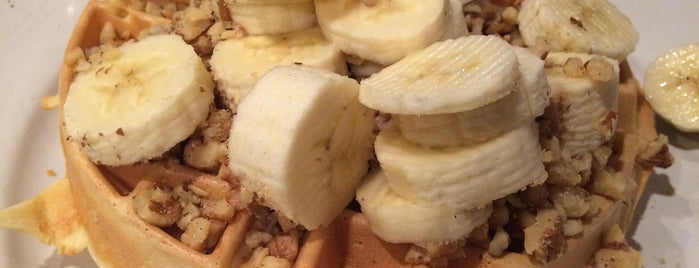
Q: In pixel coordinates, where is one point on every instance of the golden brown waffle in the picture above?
(119, 238)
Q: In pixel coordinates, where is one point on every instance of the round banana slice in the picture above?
(489, 121)
(301, 142)
(461, 177)
(273, 17)
(382, 31)
(587, 26)
(450, 76)
(138, 100)
(671, 87)
(397, 219)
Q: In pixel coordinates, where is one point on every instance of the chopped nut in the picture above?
(254, 238)
(210, 186)
(574, 67)
(573, 200)
(202, 45)
(189, 213)
(433, 254)
(535, 196)
(656, 154)
(500, 242)
(479, 236)
(196, 233)
(218, 209)
(476, 25)
(599, 69)
(285, 246)
(157, 206)
(614, 184)
(572, 227)
(545, 239)
(499, 217)
(205, 155)
(261, 258)
(509, 15)
(192, 22)
(609, 258)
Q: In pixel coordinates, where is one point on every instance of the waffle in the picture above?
(119, 238)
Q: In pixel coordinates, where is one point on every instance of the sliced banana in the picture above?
(396, 219)
(446, 77)
(533, 80)
(587, 26)
(584, 101)
(138, 101)
(489, 121)
(301, 142)
(272, 17)
(237, 64)
(461, 177)
(382, 31)
(671, 87)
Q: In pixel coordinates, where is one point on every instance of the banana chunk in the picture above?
(138, 101)
(446, 77)
(584, 101)
(237, 64)
(272, 17)
(464, 177)
(671, 87)
(301, 142)
(382, 31)
(586, 26)
(397, 219)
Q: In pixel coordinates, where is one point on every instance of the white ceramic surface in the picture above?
(33, 37)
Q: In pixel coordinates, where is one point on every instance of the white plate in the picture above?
(34, 35)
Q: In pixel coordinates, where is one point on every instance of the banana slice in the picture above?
(533, 80)
(237, 64)
(382, 31)
(671, 87)
(301, 141)
(587, 26)
(272, 17)
(461, 177)
(396, 219)
(138, 101)
(584, 101)
(489, 121)
(446, 77)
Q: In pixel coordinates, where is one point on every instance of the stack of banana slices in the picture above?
(238, 117)
(464, 135)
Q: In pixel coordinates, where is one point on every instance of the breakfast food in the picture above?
(266, 176)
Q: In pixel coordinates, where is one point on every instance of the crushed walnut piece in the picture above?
(190, 205)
